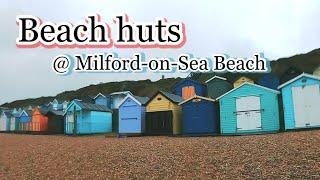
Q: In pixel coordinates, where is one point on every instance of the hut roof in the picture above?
(55, 112)
(142, 100)
(251, 84)
(172, 97)
(216, 77)
(92, 107)
(298, 77)
(7, 113)
(101, 94)
(199, 97)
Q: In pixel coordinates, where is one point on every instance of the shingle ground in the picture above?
(275, 156)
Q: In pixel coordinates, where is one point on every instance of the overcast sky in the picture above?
(238, 28)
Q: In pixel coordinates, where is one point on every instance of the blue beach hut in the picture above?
(117, 97)
(301, 98)
(270, 81)
(188, 88)
(25, 120)
(87, 118)
(103, 99)
(199, 116)
(249, 108)
(132, 113)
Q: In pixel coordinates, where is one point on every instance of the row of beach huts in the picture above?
(192, 108)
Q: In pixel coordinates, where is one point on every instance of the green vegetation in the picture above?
(303, 62)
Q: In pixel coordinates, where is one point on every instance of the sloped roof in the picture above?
(29, 112)
(142, 100)
(55, 112)
(121, 92)
(92, 107)
(216, 77)
(7, 113)
(198, 97)
(138, 99)
(88, 99)
(44, 110)
(250, 84)
(172, 97)
(243, 77)
(298, 77)
(16, 114)
(101, 94)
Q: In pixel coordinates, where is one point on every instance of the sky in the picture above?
(237, 28)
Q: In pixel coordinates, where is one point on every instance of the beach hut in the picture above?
(270, 81)
(3, 109)
(199, 116)
(14, 121)
(65, 105)
(249, 108)
(14, 111)
(25, 120)
(87, 118)
(103, 99)
(316, 72)
(56, 105)
(242, 80)
(132, 112)
(117, 97)
(55, 121)
(39, 120)
(5, 120)
(188, 88)
(301, 98)
(216, 86)
(163, 115)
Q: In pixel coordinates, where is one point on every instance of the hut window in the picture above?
(304, 80)
(159, 98)
(188, 92)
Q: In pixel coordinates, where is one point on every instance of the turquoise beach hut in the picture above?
(14, 121)
(301, 98)
(87, 118)
(249, 109)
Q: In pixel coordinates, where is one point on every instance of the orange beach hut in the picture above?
(39, 122)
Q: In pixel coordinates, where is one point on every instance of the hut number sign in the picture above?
(94, 33)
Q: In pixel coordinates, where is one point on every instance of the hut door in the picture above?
(70, 123)
(305, 100)
(248, 113)
(159, 123)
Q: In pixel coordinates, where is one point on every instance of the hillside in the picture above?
(300, 63)
(139, 88)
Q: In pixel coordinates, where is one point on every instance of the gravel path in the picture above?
(275, 156)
